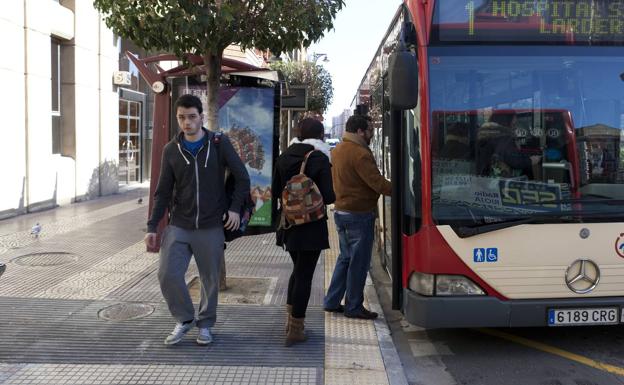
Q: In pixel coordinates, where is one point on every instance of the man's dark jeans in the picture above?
(355, 233)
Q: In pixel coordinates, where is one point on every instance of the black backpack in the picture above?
(248, 206)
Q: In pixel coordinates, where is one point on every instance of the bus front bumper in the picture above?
(482, 311)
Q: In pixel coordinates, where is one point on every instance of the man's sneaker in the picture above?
(178, 332)
(204, 337)
(362, 314)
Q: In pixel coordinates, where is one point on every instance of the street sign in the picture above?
(122, 78)
(296, 98)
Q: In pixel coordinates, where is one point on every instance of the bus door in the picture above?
(402, 165)
(386, 153)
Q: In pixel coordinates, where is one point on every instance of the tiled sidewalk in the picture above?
(90, 256)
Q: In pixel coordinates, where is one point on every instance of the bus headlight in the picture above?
(456, 285)
(442, 285)
(422, 283)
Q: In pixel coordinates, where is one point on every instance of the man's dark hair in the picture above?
(188, 101)
(357, 122)
(310, 129)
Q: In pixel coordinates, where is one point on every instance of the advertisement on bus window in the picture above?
(454, 184)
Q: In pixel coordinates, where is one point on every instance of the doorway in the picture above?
(130, 139)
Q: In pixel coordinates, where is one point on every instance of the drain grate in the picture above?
(125, 311)
(45, 259)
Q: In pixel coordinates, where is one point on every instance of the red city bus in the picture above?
(501, 125)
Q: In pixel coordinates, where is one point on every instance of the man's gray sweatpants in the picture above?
(177, 246)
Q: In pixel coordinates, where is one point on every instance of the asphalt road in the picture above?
(518, 356)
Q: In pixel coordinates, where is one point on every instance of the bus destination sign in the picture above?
(567, 21)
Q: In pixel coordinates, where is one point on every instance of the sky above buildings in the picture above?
(358, 30)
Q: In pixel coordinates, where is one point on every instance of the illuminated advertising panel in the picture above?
(530, 21)
(247, 117)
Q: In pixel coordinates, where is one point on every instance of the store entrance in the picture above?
(129, 141)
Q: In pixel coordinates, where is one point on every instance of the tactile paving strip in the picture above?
(158, 374)
(352, 353)
(93, 244)
(73, 333)
(103, 278)
(272, 263)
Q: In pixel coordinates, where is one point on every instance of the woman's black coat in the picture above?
(313, 235)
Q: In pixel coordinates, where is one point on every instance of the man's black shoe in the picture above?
(363, 314)
(339, 309)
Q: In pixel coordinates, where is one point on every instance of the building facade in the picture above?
(77, 114)
(59, 106)
(339, 122)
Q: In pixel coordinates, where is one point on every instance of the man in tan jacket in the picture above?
(357, 184)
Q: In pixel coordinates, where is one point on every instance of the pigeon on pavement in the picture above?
(35, 230)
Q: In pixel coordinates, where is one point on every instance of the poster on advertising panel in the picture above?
(246, 116)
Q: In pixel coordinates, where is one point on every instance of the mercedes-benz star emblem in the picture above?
(582, 276)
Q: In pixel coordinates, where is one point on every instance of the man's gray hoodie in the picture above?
(192, 187)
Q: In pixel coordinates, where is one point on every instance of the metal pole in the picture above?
(289, 127)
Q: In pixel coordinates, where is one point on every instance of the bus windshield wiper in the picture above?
(556, 217)
(607, 201)
(470, 231)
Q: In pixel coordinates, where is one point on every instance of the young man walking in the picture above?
(191, 185)
(357, 184)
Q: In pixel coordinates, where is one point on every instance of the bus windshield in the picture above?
(526, 131)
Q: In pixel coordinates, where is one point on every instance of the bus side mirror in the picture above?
(403, 78)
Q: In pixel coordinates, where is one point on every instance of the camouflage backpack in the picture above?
(302, 201)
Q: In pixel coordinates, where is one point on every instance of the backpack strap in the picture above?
(216, 140)
(305, 161)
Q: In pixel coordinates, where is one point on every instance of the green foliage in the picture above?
(209, 26)
(315, 77)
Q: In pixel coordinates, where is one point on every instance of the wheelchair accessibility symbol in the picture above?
(485, 254)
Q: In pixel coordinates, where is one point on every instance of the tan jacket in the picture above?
(357, 180)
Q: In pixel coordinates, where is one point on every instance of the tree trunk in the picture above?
(213, 74)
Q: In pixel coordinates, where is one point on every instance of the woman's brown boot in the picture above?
(288, 312)
(295, 331)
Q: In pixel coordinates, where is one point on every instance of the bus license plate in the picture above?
(594, 316)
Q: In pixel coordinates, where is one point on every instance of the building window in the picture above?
(56, 96)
